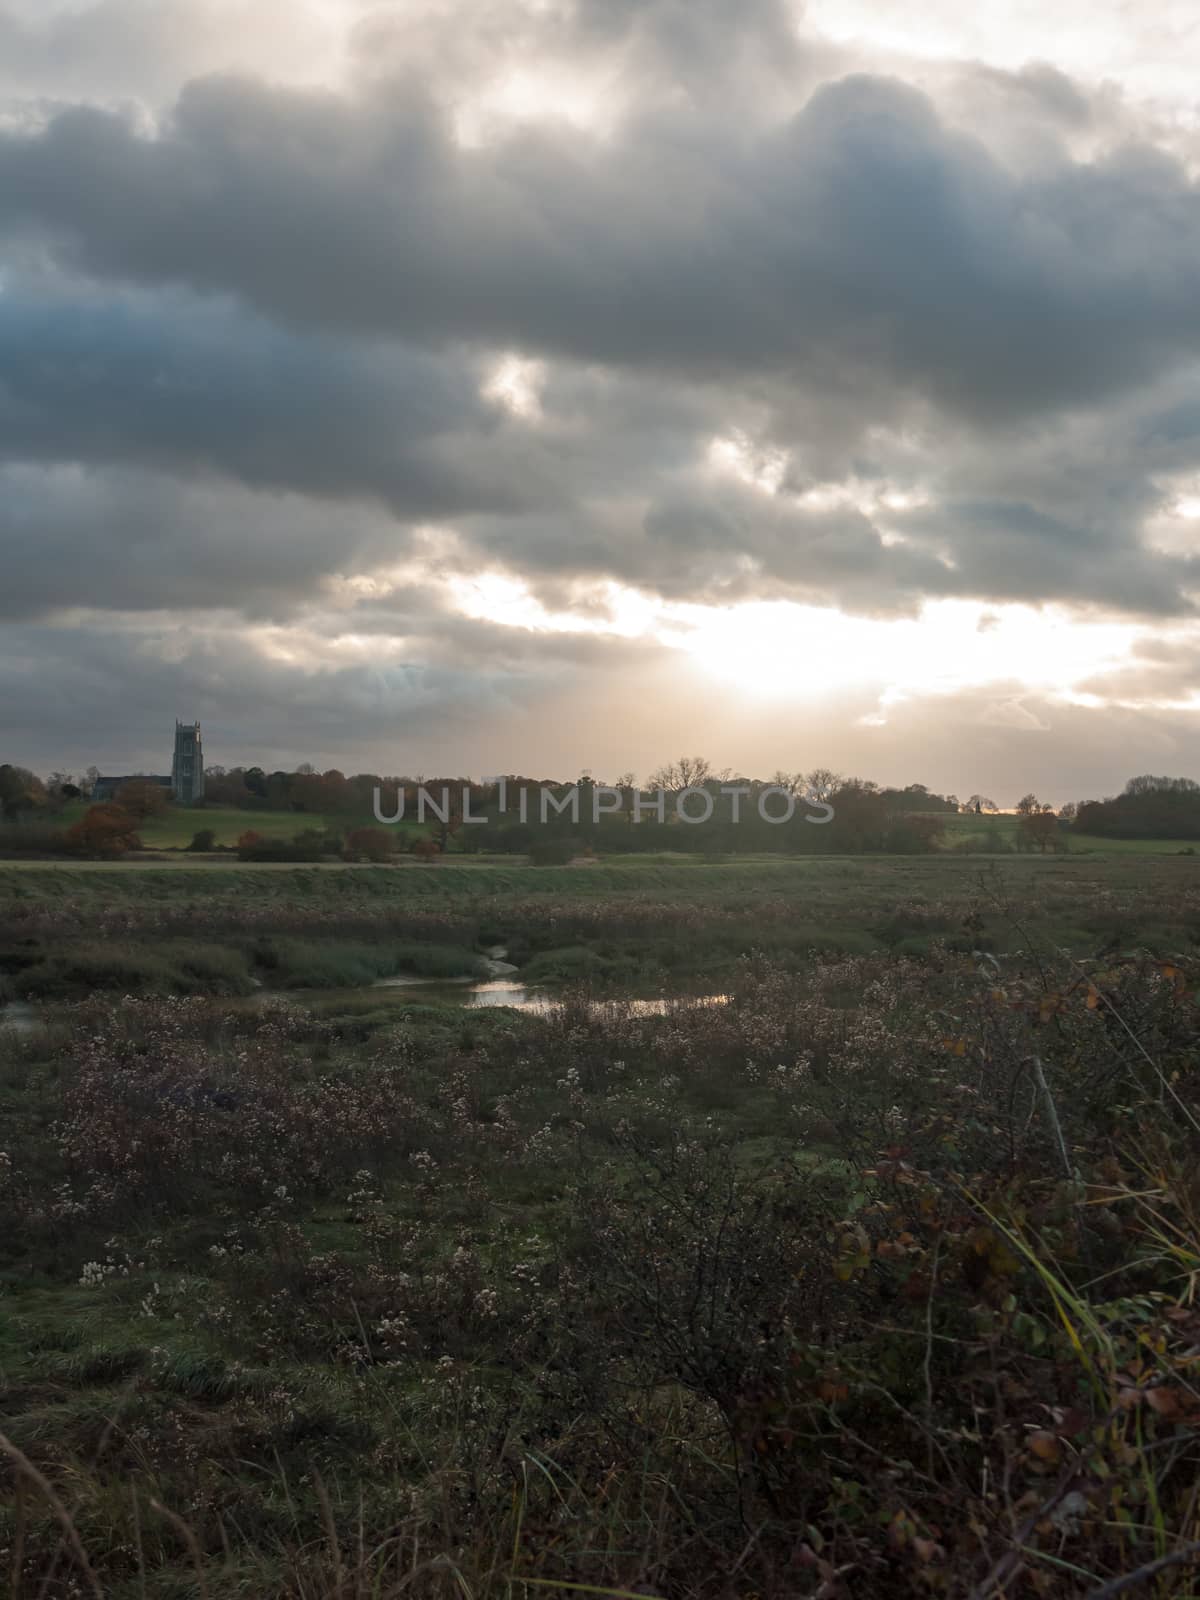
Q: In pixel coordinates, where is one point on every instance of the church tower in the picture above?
(187, 765)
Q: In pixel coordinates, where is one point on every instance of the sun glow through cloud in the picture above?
(515, 383)
(779, 649)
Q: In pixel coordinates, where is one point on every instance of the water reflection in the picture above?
(18, 1016)
(527, 997)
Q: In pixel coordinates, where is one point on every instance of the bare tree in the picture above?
(793, 782)
(626, 782)
(821, 782)
(689, 772)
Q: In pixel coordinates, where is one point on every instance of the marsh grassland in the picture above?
(875, 1278)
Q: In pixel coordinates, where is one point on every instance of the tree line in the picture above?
(865, 815)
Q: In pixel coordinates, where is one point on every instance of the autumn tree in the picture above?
(227, 788)
(141, 798)
(1037, 825)
(20, 791)
(373, 843)
(104, 830)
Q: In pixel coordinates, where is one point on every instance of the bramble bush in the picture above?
(875, 1281)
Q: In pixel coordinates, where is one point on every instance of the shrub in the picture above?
(33, 839)
(372, 843)
(914, 835)
(437, 961)
(203, 841)
(306, 846)
(299, 964)
(551, 852)
(916, 1309)
(104, 831)
(142, 798)
(348, 964)
(128, 970)
(571, 962)
(173, 967)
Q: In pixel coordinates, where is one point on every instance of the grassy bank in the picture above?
(641, 925)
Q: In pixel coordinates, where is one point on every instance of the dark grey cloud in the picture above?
(177, 406)
(863, 231)
(164, 382)
(126, 540)
(1012, 550)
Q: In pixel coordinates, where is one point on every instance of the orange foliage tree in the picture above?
(373, 843)
(104, 830)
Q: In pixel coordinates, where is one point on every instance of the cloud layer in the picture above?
(693, 305)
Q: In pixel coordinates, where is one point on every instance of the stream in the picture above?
(501, 987)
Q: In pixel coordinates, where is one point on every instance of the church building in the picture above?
(186, 781)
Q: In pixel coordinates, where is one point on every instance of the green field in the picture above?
(964, 828)
(175, 827)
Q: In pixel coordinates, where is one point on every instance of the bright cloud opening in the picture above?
(516, 383)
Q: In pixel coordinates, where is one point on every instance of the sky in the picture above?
(465, 386)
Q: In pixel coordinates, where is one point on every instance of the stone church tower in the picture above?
(187, 765)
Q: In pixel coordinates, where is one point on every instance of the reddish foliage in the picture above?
(373, 843)
(104, 830)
